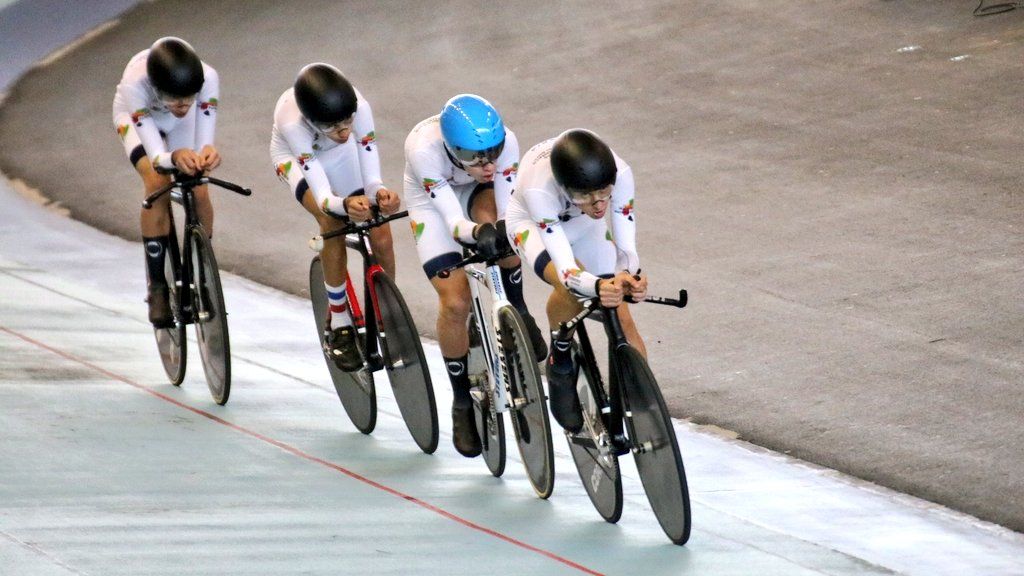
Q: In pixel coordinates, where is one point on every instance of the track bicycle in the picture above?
(196, 297)
(626, 414)
(510, 381)
(387, 340)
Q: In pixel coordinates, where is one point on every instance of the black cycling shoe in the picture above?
(565, 401)
(464, 433)
(540, 345)
(340, 345)
(159, 300)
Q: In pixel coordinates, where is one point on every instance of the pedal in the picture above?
(643, 448)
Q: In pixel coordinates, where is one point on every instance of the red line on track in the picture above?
(305, 456)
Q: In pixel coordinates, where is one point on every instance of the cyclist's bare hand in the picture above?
(209, 157)
(358, 208)
(635, 286)
(610, 291)
(387, 201)
(187, 161)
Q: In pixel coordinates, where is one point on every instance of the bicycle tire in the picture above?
(171, 342)
(528, 407)
(406, 364)
(658, 461)
(211, 317)
(596, 463)
(355, 390)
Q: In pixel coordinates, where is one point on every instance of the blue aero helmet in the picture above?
(472, 129)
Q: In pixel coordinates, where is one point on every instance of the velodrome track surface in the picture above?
(846, 214)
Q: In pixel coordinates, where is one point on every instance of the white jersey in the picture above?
(431, 174)
(294, 137)
(138, 106)
(539, 200)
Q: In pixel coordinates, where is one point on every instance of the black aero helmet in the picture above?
(581, 162)
(174, 68)
(324, 96)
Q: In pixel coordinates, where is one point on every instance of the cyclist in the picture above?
(165, 111)
(324, 148)
(556, 221)
(460, 167)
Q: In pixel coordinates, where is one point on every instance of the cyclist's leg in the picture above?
(384, 248)
(437, 250)
(155, 223)
(481, 207)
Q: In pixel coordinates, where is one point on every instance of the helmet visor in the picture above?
(175, 100)
(589, 197)
(470, 158)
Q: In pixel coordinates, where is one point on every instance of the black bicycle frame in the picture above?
(612, 403)
(183, 275)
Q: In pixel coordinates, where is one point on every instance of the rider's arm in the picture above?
(425, 166)
(206, 108)
(624, 219)
(366, 142)
(300, 140)
(136, 97)
(506, 169)
(544, 207)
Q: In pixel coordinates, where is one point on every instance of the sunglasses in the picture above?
(585, 198)
(329, 127)
(472, 158)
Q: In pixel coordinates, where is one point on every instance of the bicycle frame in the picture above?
(182, 193)
(357, 237)
(494, 354)
(613, 404)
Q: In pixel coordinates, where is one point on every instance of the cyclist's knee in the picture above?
(455, 306)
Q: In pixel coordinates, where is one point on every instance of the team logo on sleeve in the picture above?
(304, 159)
(208, 106)
(608, 236)
(570, 273)
(139, 115)
(627, 210)
(511, 171)
(368, 141)
(429, 184)
(545, 225)
(417, 229)
(122, 131)
(283, 169)
(520, 239)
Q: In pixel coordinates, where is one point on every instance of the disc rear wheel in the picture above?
(355, 389)
(171, 342)
(406, 364)
(591, 449)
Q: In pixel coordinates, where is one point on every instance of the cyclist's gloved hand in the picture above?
(490, 241)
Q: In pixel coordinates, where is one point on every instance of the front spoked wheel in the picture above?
(406, 364)
(489, 423)
(171, 342)
(211, 318)
(528, 408)
(591, 448)
(355, 389)
(655, 447)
